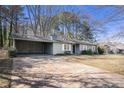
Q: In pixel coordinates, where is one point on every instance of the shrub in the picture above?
(100, 50)
(95, 53)
(84, 52)
(59, 54)
(12, 52)
(67, 52)
(87, 52)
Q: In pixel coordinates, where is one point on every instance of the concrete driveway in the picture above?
(60, 72)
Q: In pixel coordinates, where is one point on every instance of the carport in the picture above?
(33, 47)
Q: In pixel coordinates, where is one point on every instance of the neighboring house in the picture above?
(113, 47)
(52, 45)
(121, 49)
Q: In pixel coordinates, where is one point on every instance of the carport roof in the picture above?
(40, 39)
(83, 42)
(36, 39)
(66, 41)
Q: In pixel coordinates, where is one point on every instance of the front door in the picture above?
(73, 49)
(76, 49)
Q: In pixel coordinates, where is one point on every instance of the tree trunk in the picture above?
(10, 33)
(5, 34)
(1, 31)
(1, 35)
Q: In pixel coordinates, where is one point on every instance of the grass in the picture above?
(112, 63)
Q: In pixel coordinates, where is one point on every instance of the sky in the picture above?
(100, 14)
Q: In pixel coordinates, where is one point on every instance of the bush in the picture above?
(95, 53)
(59, 54)
(111, 52)
(64, 54)
(100, 50)
(84, 52)
(87, 52)
(12, 52)
(67, 52)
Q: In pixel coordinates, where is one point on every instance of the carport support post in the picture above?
(13, 44)
(97, 49)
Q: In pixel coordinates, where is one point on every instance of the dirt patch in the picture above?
(5, 72)
(3, 54)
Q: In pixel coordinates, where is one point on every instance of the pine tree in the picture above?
(88, 34)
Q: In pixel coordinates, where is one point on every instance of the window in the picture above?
(64, 46)
(67, 47)
(84, 47)
(94, 48)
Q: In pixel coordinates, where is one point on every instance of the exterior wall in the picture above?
(121, 51)
(82, 47)
(77, 49)
(23, 46)
(94, 48)
(86, 47)
(67, 47)
(113, 50)
(59, 48)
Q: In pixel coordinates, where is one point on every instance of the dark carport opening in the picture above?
(33, 47)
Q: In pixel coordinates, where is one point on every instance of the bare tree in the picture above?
(9, 19)
(42, 18)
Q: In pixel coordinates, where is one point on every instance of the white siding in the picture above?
(93, 48)
(57, 48)
(67, 47)
(63, 47)
(70, 47)
(82, 47)
(86, 47)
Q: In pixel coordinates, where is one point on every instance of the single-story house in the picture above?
(25, 44)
